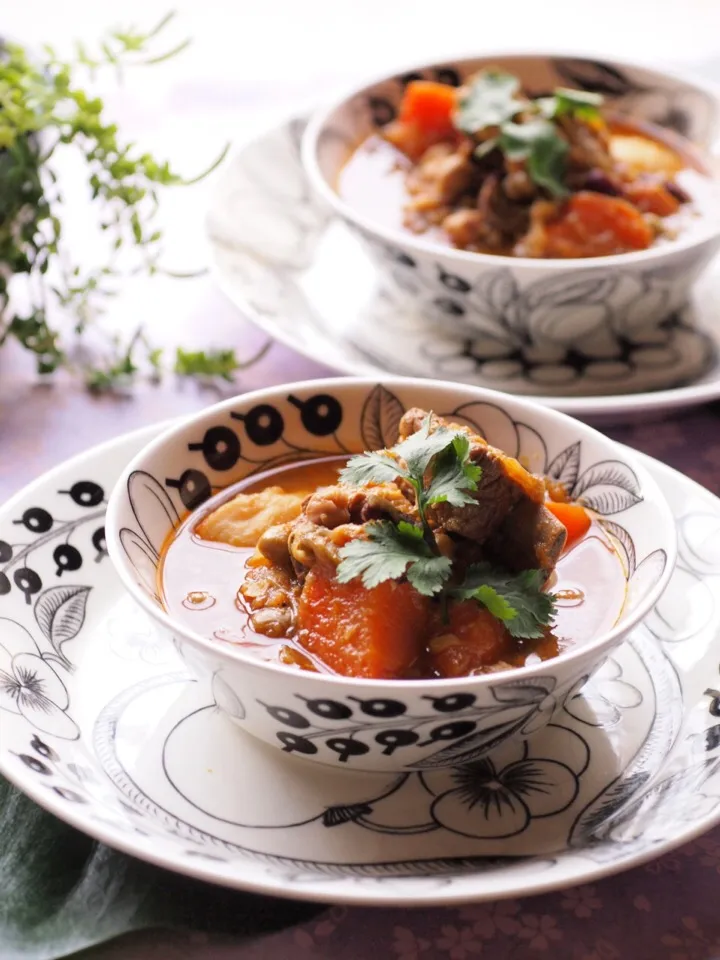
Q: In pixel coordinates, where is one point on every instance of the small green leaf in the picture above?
(518, 600)
(429, 576)
(566, 102)
(420, 447)
(376, 467)
(489, 102)
(454, 475)
(543, 149)
(388, 553)
(495, 602)
(409, 530)
(201, 363)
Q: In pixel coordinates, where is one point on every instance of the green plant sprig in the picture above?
(43, 109)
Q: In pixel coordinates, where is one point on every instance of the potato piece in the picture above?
(643, 155)
(242, 520)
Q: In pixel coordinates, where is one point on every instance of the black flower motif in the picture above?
(490, 802)
(29, 685)
(602, 702)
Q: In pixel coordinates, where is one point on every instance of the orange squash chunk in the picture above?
(471, 639)
(357, 632)
(595, 225)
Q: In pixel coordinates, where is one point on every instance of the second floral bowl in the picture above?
(542, 308)
(382, 724)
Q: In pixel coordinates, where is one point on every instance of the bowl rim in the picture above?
(237, 657)
(320, 117)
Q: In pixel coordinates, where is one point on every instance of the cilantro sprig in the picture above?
(437, 465)
(523, 129)
(519, 601)
(390, 552)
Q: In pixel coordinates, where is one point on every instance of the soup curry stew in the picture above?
(441, 557)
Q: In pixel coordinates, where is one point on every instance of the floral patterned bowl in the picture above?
(541, 308)
(381, 724)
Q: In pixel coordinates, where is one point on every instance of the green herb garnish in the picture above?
(538, 143)
(519, 601)
(390, 552)
(575, 103)
(492, 102)
(46, 112)
(489, 102)
(437, 466)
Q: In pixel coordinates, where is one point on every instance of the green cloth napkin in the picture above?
(61, 892)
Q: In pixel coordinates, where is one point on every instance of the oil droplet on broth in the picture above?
(569, 597)
(198, 600)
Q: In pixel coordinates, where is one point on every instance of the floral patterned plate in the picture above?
(305, 279)
(100, 724)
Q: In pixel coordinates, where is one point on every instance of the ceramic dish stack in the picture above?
(609, 336)
(189, 753)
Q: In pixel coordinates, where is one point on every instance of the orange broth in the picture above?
(199, 581)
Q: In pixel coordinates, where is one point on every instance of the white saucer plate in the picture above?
(101, 724)
(304, 278)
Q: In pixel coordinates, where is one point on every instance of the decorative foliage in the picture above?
(45, 113)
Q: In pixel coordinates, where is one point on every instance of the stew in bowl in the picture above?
(389, 575)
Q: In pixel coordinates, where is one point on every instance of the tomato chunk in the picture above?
(573, 517)
(595, 225)
(374, 633)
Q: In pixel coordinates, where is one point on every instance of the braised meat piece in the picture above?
(332, 506)
(509, 519)
(444, 172)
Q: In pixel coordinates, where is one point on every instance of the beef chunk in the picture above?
(508, 519)
(530, 537)
(444, 172)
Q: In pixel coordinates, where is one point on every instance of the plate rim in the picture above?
(326, 890)
(600, 405)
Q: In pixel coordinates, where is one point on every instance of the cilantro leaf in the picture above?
(429, 576)
(409, 531)
(567, 102)
(420, 447)
(544, 150)
(519, 600)
(495, 602)
(453, 474)
(489, 102)
(375, 467)
(389, 552)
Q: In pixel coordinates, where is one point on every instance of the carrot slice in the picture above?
(652, 198)
(357, 632)
(430, 105)
(425, 118)
(573, 517)
(471, 639)
(595, 225)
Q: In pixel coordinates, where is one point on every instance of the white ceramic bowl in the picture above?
(354, 722)
(542, 308)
